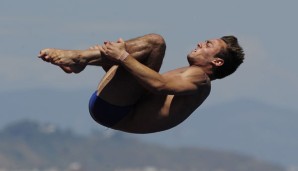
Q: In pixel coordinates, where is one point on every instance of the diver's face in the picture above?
(207, 50)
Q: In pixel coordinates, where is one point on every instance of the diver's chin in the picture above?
(190, 59)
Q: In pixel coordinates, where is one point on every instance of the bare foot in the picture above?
(68, 60)
(60, 57)
(73, 69)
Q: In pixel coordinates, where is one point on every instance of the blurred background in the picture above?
(252, 112)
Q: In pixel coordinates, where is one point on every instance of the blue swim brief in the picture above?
(105, 113)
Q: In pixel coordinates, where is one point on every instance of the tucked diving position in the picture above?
(133, 96)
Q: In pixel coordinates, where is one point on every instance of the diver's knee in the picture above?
(156, 40)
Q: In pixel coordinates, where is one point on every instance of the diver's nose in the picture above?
(199, 44)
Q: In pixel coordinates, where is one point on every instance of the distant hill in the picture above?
(28, 145)
(246, 126)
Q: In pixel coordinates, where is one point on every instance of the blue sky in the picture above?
(266, 30)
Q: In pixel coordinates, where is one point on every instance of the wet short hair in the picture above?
(233, 56)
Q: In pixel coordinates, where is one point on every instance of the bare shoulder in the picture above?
(187, 71)
(186, 80)
(196, 75)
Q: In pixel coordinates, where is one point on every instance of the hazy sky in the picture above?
(266, 30)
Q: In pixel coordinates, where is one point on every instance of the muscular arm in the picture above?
(180, 81)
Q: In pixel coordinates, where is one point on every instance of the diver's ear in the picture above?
(217, 61)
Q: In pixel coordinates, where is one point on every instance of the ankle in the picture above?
(85, 56)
